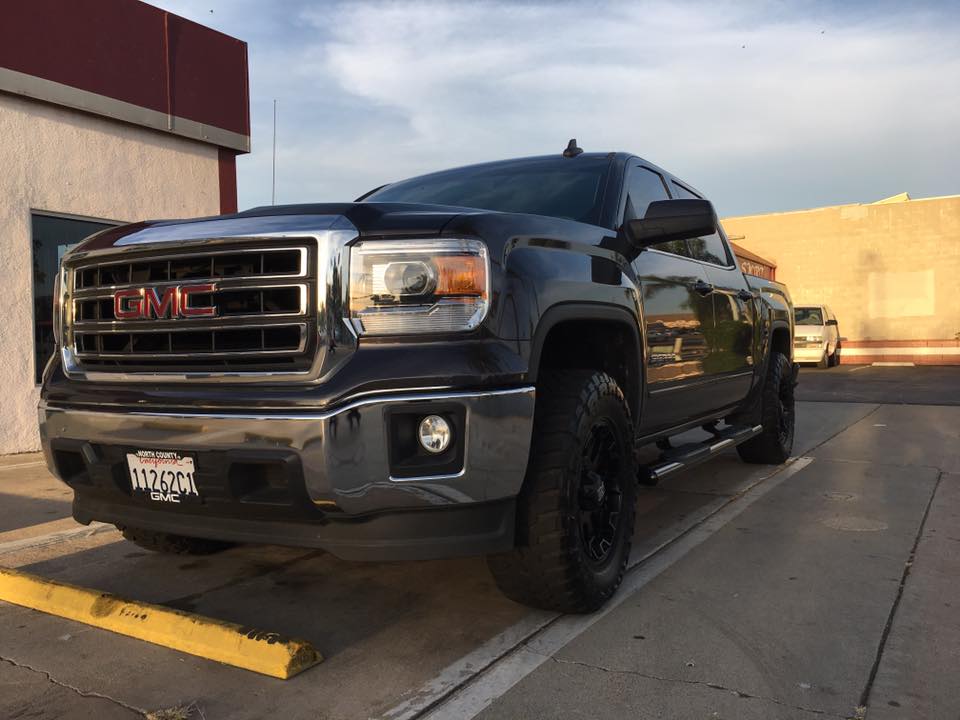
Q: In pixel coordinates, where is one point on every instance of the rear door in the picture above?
(730, 361)
(677, 315)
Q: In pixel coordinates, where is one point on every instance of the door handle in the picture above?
(746, 295)
(702, 288)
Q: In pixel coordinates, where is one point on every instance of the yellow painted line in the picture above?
(244, 647)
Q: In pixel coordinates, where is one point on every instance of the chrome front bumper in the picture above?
(339, 458)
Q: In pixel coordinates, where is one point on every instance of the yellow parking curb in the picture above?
(263, 652)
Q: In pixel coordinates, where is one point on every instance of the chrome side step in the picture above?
(686, 456)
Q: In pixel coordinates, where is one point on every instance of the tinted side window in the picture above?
(643, 187)
(709, 248)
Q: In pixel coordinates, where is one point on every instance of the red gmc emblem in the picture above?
(148, 303)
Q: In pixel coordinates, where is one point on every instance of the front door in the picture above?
(678, 318)
(677, 312)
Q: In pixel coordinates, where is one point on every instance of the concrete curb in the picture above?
(262, 652)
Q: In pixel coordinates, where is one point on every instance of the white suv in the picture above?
(817, 336)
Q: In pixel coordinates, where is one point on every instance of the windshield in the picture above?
(559, 187)
(808, 316)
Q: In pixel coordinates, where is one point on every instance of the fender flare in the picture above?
(774, 327)
(767, 344)
(750, 402)
(601, 312)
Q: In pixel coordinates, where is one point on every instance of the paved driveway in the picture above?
(755, 591)
(921, 385)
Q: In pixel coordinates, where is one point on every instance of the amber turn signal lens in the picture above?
(418, 287)
(463, 275)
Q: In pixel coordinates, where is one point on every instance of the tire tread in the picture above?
(545, 570)
(766, 448)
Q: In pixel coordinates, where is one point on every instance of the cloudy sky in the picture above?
(764, 106)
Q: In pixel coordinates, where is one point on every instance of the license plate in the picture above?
(162, 475)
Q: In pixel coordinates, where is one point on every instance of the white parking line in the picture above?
(467, 687)
(21, 465)
(53, 538)
(472, 663)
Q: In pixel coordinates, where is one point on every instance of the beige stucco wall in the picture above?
(889, 271)
(62, 161)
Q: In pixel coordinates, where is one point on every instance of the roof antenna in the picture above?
(273, 176)
(572, 149)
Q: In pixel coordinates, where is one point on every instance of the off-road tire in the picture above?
(777, 416)
(552, 566)
(172, 544)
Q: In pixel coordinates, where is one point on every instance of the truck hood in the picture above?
(379, 219)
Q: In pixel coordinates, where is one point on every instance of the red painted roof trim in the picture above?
(128, 51)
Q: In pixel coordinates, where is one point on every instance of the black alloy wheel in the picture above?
(601, 496)
(786, 409)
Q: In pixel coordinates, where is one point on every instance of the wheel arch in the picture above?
(780, 339)
(586, 332)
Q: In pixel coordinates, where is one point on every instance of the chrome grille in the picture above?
(266, 318)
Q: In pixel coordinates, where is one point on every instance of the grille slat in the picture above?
(285, 339)
(263, 322)
(259, 301)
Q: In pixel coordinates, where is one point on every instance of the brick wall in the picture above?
(890, 271)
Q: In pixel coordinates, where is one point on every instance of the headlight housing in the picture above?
(407, 287)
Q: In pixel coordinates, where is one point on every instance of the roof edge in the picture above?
(50, 91)
(887, 201)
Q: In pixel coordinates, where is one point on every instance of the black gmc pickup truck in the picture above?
(485, 360)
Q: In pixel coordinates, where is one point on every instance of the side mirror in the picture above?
(831, 322)
(667, 220)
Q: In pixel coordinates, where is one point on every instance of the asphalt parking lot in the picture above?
(811, 590)
(920, 385)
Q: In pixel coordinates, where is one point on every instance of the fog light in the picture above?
(435, 434)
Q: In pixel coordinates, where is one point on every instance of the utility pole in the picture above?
(273, 181)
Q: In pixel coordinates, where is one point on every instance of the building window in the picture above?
(53, 235)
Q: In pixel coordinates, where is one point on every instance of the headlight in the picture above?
(405, 287)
